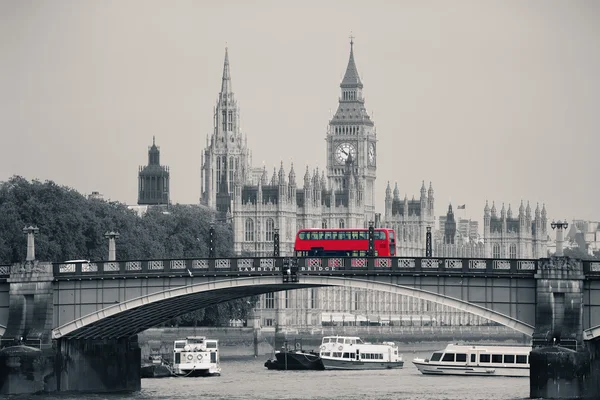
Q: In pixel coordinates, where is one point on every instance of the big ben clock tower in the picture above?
(352, 134)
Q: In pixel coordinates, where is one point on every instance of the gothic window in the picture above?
(270, 300)
(496, 250)
(224, 120)
(230, 121)
(231, 172)
(218, 171)
(513, 251)
(270, 229)
(341, 224)
(324, 224)
(249, 230)
(313, 298)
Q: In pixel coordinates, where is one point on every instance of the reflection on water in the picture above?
(249, 379)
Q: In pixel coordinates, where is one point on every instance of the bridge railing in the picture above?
(183, 266)
(417, 265)
(306, 265)
(4, 271)
(591, 267)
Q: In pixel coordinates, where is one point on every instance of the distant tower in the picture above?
(225, 149)
(153, 180)
(351, 132)
(449, 227)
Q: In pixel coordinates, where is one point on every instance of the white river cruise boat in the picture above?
(486, 360)
(350, 352)
(196, 356)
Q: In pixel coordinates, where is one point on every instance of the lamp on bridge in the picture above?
(371, 239)
(559, 226)
(276, 243)
(31, 231)
(112, 246)
(211, 241)
(428, 252)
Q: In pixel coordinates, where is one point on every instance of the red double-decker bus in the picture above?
(344, 242)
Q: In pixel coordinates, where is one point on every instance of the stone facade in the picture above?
(521, 237)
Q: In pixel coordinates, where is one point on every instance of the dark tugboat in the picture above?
(295, 358)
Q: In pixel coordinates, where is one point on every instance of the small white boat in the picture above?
(486, 360)
(350, 352)
(196, 356)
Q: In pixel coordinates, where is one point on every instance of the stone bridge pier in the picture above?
(30, 361)
(562, 364)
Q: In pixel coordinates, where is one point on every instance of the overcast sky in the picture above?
(487, 100)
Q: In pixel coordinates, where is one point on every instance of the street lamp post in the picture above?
(559, 226)
(428, 252)
(276, 243)
(371, 239)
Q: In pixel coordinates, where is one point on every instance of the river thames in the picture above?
(247, 378)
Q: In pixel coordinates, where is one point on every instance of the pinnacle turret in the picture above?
(351, 77)
(226, 83)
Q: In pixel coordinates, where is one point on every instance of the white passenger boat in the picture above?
(486, 360)
(196, 356)
(350, 352)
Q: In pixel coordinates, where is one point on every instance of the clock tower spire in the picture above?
(351, 132)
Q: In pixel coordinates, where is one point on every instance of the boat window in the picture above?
(521, 359)
(346, 355)
(448, 357)
(497, 358)
(179, 345)
(461, 357)
(325, 340)
(436, 356)
(473, 358)
(509, 359)
(484, 358)
(326, 354)
(359, 341)
(340, 340)
(336, 354)
(211, 345)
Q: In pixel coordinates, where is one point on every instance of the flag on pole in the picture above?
(461, 207)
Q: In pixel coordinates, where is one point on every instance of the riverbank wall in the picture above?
(247, 342)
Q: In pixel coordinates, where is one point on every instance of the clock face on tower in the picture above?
(343, 151)
(371, 154)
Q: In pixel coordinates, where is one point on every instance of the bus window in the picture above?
(327, 235)
(301, 235)
(392, 235)
(314, 235)
(334, 235)
(354, 235)
(363, 235)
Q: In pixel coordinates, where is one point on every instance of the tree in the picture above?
(72, 227)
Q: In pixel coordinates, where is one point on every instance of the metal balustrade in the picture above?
(306, 265)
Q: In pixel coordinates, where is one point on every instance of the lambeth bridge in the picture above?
(79, 320)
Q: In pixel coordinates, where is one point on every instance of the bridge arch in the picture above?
(138, 314)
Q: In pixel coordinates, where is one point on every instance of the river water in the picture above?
(247, 378)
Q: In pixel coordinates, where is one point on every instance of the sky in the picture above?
(494, 100)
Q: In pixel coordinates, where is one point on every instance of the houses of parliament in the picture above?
(257, 202)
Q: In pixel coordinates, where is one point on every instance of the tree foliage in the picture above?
(72, 227)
